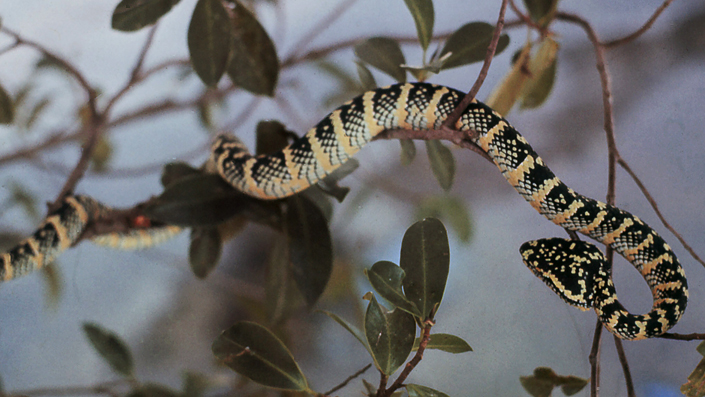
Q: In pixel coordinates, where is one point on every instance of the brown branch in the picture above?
(625, 366)
(594, 359)
(346, 381)
(100, 388)
(399, 382)
(640, 31)
(458, 111)
(682, 336)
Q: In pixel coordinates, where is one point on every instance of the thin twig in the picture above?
(100, 388)
(399, 382)
(470, 96)
(625, 366)
(640, 31)
(315, 31)
(682, 336)
(346, 381)
(594, 360)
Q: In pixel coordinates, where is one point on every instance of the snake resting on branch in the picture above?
(577, 271)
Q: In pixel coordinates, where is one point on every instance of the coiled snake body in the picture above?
(576, 270)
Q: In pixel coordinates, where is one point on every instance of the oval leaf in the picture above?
(384, 54)
(425, 258)
(442, 163)
(543, 74)
(445, 342)
(572, 384)
(353, 330)
(469, 44)
(310, 247)
(408, 151)
(7, 109)
(281, 295)
(390, 336)
(254, 65)
(272, 136)
(541, 10)
(451, 209)
(209, 40)
(386, 278)
(113, 350)
(423, 391)
(173, 172)
(506, 94)
(131, 15)
(422, 11)
(253, 351)
(204, 251)
(367, 80)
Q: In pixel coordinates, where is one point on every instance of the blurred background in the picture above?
(513, 322)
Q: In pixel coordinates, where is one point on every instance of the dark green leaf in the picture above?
(131, 15)
(204, 251)
(36, 111)
(310, 247)
(543, 73)
(272, 136)
(281, 295)
(390, 336)
(25, 199)
(537, 387)
(195, 384)
(540, 10)
(423, 391)
(384, 54)
(422, 11)
(386, 278)
(50, 62)
(408, 151)
(2, 388)
(701, 348)
(469, 44)
(209, 40)
(504, 95)
(695, 386)
(571, 385)
(7, 109)
(353, 330)
(425, 258)
(253, 351)
(442, 163)
(175, 171)
(453, 210)
(254, 65)
(329, 183)
(153, 390)
(110, 347)
(367, 80)
(445, 342)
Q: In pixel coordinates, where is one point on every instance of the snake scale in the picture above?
(577, 271)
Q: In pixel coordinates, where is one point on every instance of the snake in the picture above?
(576, 270)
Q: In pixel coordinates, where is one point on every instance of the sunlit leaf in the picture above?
(423, 391)
(701, 348)
(310, 247)
(442, 163)
(131, 15)
(390, 336)
(110, 347)
(386, 278)
(209, 40)
(7, 109)
(204, 251)
(254, 65)
(408, 151)
(367, 80)
(453, 210)
(102, 154)
(543, 73)
(506, 93)
(695, 386)
(445, 342)
(253, 351)
(422, 11)
(384, 54)
(469, 44)
(54, 284)
(425, 258)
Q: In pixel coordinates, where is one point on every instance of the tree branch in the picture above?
(346, 381)
(640, 31)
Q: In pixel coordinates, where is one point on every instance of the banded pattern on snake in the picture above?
(576, 270)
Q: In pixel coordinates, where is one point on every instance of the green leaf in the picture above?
(384, 54)
(253, 351)
(701, 348)
(176, 171)
(329, 184)
(54, 284)
(153, 390)
(131, 15)
(571, 385)
(254, 65)
(281, 294)
(442, 163)
(390, 336)
(367, 80)
(7, 109)
(445, 342)
(695, 386)
(204, 251)
(469, 44)
(422, 11)
(451, 209)
(544, 379)
(425, 258)
(310, 247)
(504, 95)
(110, 347)
(209, 40)
(543, 74)
(408, 151)
(272, 136)
(36, 111)
(353, 330)
(541, 11)
(195, 384)
(102, 154)
(386, 278)
(423, 391)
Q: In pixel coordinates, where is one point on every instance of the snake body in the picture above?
(575, 270)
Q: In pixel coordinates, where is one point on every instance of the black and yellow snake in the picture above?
(576, 270)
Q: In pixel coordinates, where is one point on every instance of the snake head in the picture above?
(573, 269)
